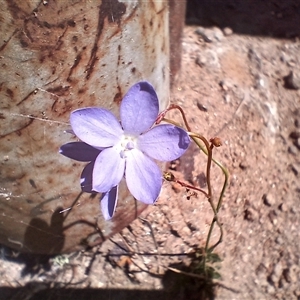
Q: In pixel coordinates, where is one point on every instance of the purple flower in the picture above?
(116, 149)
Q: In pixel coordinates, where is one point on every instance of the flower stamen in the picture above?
(126, 144)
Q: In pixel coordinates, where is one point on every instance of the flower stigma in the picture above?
(126, 144)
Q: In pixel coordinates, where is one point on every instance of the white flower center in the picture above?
(126, 144)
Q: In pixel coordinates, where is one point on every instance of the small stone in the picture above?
(250, 214)
(238, 200)
(273, 217)
(297, 112)
(291, 63)
(297, 123)
(243, 165)
(226, 84)
(254, 58)
(290, 274)
(296, 168)
(227, 31)
(293, 150)
(293, 210)
(269, 199)
(297, 292)
(295, 134)
(261, 270)
(283, 207)
(208, 59)
(210, 35)
(279, 240)
(227, 98)
(277, 273)
(205, 34)
(245, 258)
(218, 34)
(284, 57)
(292, 81)
(185, 231)
(201, 60)
(270, 289)
(201, 106)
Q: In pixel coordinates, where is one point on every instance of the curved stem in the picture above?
(161, 116)
(225, 172)
(171, 122)
(196, 136)
(208, 152)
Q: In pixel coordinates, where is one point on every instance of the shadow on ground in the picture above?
(42, 292)
(87, 294)
(175, 285)
(259, 17)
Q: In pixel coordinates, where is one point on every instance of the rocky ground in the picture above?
(246, 90)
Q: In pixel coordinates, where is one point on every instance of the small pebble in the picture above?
(254, 58)
(270, 289)
(269, 199)
(283, 207)
(273, 217)
(290, 274)
(251, 214)
(227, 31)
(210, 35)
(205, 34)
(279, 240)
(243, 165)
(277, 273)
(296, 168)
(293, 150)
(295, 134)
(227, 98)
(292, 81)
(201, 106)
(208, 59)
(201, 60)
(226, 84)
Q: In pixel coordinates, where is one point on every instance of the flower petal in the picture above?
(86, 178)
(108, 170)
(139, 108)
(97, 127)
(143, 177)
(79, 151)
(108, 203)
(164, 142)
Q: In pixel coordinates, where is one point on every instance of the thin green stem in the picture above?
(208, 151)
(225, 172)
